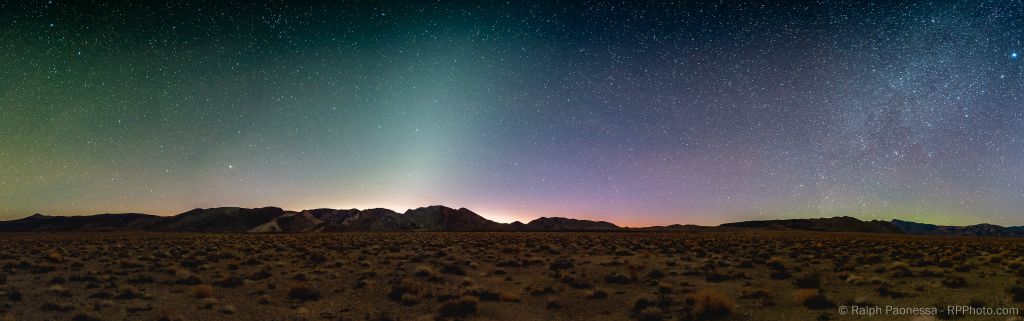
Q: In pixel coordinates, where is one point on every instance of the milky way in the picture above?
(636, 112)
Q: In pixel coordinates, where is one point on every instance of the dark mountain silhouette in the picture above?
(567, 224)
(100, 222)
(440, 218)
(914, 227)
(832, 224)
(221, 219)
(970, 230)
(683, 228)
(274, 220)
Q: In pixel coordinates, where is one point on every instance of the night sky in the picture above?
(637, 112)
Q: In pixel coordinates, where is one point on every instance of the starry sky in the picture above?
(636, 112)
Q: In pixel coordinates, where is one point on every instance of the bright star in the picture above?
(1013, 55)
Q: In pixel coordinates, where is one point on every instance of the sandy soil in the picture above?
(502, 276)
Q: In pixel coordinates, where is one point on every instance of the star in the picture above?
(1013, 55)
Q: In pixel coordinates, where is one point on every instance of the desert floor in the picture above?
(504, 276)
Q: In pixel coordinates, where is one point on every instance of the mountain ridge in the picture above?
(442, 218)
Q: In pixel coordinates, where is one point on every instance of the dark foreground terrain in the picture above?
(501, 276)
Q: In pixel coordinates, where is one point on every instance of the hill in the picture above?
(441, 218)
(832, 224)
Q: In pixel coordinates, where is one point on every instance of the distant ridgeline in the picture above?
(439, 218)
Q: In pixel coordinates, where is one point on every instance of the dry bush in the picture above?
(302, 292)
(954, 282)
(83, 316)
(460, 307)
(406, 292)
(855, 280)
(812, 299)
(664, 287)
(202, 291)
(755, 293)
(617, 278)
(1016, 293)
(595, 294)
(776, 263)
(423, 271)
(710, 304)
(651, 314)
(807, 281)
(228, 309)
(230, 282)
(58, 291)
(509, 296)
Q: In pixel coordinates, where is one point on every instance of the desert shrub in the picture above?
(207, 303)
(127, 294)
(14, 295)
(302, 292)
(552, 304)
(755, 293)
(58, 290)
(82, 316)
(954, 282)
(650, 314)
(460, 307)
(855, 280)
(655, 274)
(405, 292)
(595, 294)
(664, 287)
(202, 291)
(509, 296)
(929, 273)
(228, 309)
(58, 280)
(1015, 265)
(183, 276)
(812, 299)
(1016, 293)
(710, 304)
(423, 271)
(561, 264)
(56, 307)
(898, 266)
(716, 277)
(261, 274)
(807, 281)
(644, 302)
(54, 257)
(541, 290)
(453, 269)
(885, 290)
(617, 278)
(230, 282)
(409, 299)
(779, 275)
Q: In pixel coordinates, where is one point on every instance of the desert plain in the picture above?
(757, 275)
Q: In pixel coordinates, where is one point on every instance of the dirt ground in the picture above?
(507, 276)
